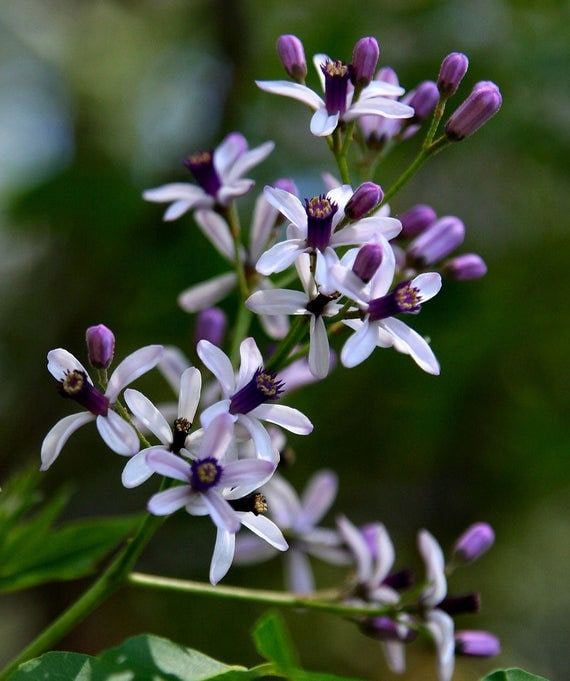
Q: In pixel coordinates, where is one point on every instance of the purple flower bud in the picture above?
(477, 644)
(416, 220)
(465, 267)
(388, 75)
(451, 73)
(423, 100)
(366, 263)
(211, 326)
(287, 185)
(474, 542)
(365, 198)
(386, 629)
(437, 241)
(100, 346)
(481, 105)
(364, 59)
(292, 55)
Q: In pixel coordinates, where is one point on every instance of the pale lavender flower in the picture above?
(249, 397)
(437, 241)
(338, 103)
(76, 384)
(219, 175)
(378, 130)
(299, 517)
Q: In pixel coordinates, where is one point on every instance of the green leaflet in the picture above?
(512, 675)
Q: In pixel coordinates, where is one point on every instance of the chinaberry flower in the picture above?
(451, 73)
(378, 130)
(250, 397)
(312, 227)
(173, 438)
(473, 543)
(465, 267)
(100, 346)
(298, 517)
(338, 104)
(416, 220)
(482, 104)
(76, 384)
(380, 328)
(219, 175)
(206, 477)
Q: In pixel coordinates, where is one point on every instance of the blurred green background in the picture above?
(100, 99)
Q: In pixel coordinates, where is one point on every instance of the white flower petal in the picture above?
(278, 301)
(275, 326)
(62, 362)
(319, 351)
(228, 152)
(284, 504)
(288, 205)
(209, 414)
(219, 364)
(136, 470)
(318, 496)
(384, 276)
(217, 437)
(223, 555)
(395, 654)
(190, 388)
(250, 361)
(429, 284)
(380, 88)
(169, 501)
(134, 365)
(434, 560)
(250, 549)
(410, 342)
(299, 575)
(176, 210)
(323, 123)
(320, 60)
(366, 229)
(349, 284)
(385, 555)
(148, 415)
(263, 222)
(216, 230)
(261, 440)
(248, 160)
(341, 196)
(247, 472)
(441, 627)
(176, 191)
(294, 90)
(229, 192)
(207, 293)
(223, 515)
(280, 256)
(379, 106)
(172, 366)
(118, 435)
(359, 346)
(287, 417)
(59, 434)
(168, 464)
(357, 544)
(264, 528)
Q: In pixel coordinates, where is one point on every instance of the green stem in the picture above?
(437, 116)
(125, 414)
(235, 229)
(282, 599)
(296, 332)
(98, 592)
(241, 327)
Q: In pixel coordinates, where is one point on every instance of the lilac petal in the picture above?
(378, 106)
(223, 555)
(219, 364)
(263, 222)
(62, 362)
(299, 575)
(429, 285)
(319, 350)
(176, 191)
(287, 417)
(379, 88)
(169, 501)
(303, 267)
(261, 440)
(349, 284)
(357, 544)
(217, 437)
(280, 256)
(172, 366)
(323, 124)
(395, 654)
(250, 361)
(190, 388)
(441, 627)
(251, 549)
(176, 210)
(359, 346)
(223, 515)
(249, 160)
(287, 204)
(134, 365)
(213, 411)
(382, 280)
(319, 496)
(227, 193)
(320, 60)
(283, 501)
(410, 342)
(118, 435)
(57, 437)
(216, 230)
(294, 90)
(207, 293)
(341, 196)
(366, 229)
(434, 560)
(385, 555)
(266, 529)
(278, 301)
(168, 464)
(148, 415)
(247, 471)
(329, 554)
(228, 151)
(275, 326)
(137, 471)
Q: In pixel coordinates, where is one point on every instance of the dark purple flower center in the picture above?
(180, 432)
(76, 386)
(459, 605)
(337, 76)
(404, 298)
(201, 165)
(320, 211)
(206, 473)
(264, 386)
(318, 304)
(254, 503)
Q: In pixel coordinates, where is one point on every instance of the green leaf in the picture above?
(273, 642)
(512, 675)
(304, 675)
(144, 658)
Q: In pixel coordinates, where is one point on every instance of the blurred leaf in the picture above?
(512, 675)
(273, 641)
(144, 658)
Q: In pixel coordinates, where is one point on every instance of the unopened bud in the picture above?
(416, 220)
(211, 326)
(386, 629)
(451, 73)
(477, 644)
(465, 267)
(474, 542)
(366, 264)
(287, 185)
(460, 605)
(481, 105)
(364, 199)
(437, 241)
(292, 55)
(364, 59)
(100, 346)
(423, 100)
